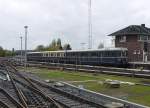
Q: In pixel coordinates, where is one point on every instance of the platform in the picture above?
(142, 65)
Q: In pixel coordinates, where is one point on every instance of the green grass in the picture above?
(137, 93)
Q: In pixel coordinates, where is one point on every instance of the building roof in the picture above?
(132, 30)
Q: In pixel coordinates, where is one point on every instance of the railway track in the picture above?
(69, 100)
(32, 96)
(95, 69)
(31, 93)
(8, 96)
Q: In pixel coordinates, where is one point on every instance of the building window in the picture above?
(122, 39)
(134, 52)
(149, 38)
(143, 38)
(138, 52)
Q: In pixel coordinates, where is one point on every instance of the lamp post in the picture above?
(90, 23)
(26, 30)
(21, 49)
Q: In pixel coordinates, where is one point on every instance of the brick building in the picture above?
(136, 39)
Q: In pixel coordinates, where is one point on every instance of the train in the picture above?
(104, 56)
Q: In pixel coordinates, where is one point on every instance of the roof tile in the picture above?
(132, 29)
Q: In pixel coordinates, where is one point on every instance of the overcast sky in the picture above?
(68, 20)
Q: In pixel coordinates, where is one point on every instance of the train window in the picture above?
(84, 54)
(49, 54)
(73, 54)
(58, 54)
(70, 54)
(118, 53)
(124, 53)
(110, 53)
(105, 54)
(77, 54)
(43, 55)
(100, 54)
(113, 54)
(94, 54)
(62, 54)
(55, 54)
(52, 54)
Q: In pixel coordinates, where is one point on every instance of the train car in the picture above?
(104, 56)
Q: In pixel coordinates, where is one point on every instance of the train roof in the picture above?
(89, 50)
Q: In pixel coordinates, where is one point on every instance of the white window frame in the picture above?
(122, 38)
(134, 52)
(140, 38)
(138, 52)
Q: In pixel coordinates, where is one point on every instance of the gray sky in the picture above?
(68, 20)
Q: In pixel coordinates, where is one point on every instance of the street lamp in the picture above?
(90, 23)
(26, 30)
(21, 49)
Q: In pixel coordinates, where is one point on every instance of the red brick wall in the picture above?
(131, 44)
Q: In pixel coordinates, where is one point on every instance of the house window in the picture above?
(122, 39)
(149, 38)
(143, 38)
(134, 52)
(138, 52)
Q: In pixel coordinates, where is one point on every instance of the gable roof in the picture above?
(132, 29)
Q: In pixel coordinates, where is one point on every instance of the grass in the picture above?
(137, 93)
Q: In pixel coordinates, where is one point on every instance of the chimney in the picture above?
(143, 25)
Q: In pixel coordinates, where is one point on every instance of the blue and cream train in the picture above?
(105, 56)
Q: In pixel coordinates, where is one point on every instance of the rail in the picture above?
(34, 88)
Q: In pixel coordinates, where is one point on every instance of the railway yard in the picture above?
(74, 54)
(55, 87)
(22, 90)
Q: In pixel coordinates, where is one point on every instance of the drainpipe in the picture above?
(143, 56)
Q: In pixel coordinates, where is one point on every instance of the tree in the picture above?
(53, 44)
(67, 47)
(59, 46)
(101, 45)
(40, 48)
(9, 53)
(2, 52)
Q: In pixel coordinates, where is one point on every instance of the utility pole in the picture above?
(90, 23)
(26, 30)
(21, 49)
